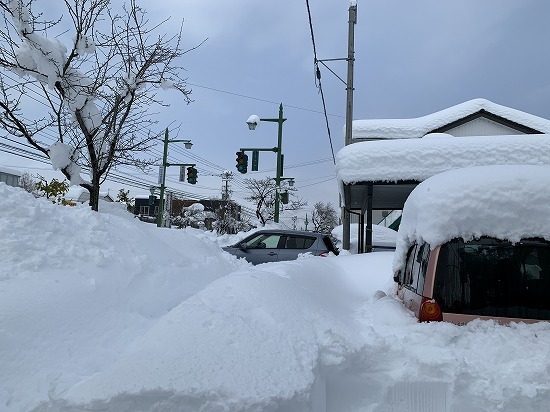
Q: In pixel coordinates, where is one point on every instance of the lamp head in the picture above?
(253, 121)
(188, 145)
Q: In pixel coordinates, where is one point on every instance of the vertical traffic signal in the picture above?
(242, 162)
(191, 175)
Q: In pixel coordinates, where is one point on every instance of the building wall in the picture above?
(142, 207)
(377, 216)
(482, 127)
(9, 179)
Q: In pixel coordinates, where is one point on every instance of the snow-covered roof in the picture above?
(418, 159)
(82, 194)
(505, 202)
(9, 171)
(418, 127)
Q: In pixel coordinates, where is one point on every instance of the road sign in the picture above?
(161, 174)
(255, 160)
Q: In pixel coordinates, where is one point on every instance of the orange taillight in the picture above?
(430, 311)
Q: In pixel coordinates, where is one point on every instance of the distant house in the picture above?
(370, 184)
(9, 176)
(78, 194)
(148, 211)
(145, 209)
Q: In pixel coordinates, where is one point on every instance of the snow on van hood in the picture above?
(505, 202)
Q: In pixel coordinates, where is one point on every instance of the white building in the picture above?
(9, 176)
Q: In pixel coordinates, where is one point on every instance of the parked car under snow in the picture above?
(475, 243)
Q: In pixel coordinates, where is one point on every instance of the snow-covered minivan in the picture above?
(475, 243)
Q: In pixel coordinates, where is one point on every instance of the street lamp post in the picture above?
(252, 123)
(162, 182)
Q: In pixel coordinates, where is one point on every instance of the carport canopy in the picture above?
(380, 174)
(385, 195)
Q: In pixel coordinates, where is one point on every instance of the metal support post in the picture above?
(279, 164)
(162, 183)
(346, 221)
(278, 150)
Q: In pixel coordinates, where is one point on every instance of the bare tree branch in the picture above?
(96, 93)
(262, 196)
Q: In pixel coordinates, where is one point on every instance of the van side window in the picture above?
(422, 259)
(408, 275)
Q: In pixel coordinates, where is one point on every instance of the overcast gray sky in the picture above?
(412, 58)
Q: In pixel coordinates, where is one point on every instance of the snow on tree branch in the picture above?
(99, 87)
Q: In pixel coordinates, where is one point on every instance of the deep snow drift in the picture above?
(102, 312)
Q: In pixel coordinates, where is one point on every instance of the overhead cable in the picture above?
(318, 79)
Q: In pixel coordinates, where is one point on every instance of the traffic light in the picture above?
(284, 197)
(242, 162)
(191, 175)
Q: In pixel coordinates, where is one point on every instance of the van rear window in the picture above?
(490, 277)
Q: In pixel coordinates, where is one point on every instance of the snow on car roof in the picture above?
(418, 159)
(417, 127)
(505, 202)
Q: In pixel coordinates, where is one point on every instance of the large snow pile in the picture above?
(505, 202)
(77, 288)
(102, 312)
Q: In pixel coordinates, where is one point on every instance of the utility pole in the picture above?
(352, 21)
(226, 192)
(279, 173)
(162, 175)
(160, 216)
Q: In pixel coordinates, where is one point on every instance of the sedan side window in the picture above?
(264, 241)
(299, 242)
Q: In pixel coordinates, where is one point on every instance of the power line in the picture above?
(263, 100)
(318, 79)
(318, 183)
(34, 88)
(119, 177)
(138, 181)
(116, 177)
